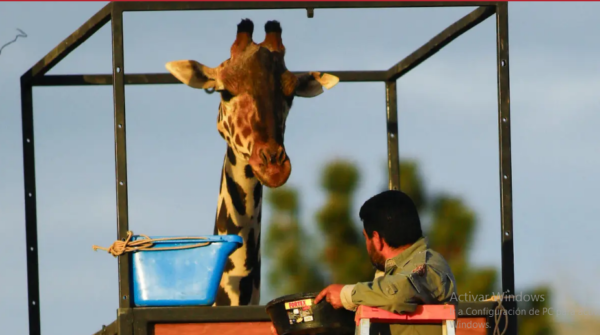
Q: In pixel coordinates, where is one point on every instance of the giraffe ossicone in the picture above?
(256, 91)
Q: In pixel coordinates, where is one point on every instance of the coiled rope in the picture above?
(498, 316)
(120, 247)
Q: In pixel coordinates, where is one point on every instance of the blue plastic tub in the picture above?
(184, 277)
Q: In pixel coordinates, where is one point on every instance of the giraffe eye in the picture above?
(226, 95)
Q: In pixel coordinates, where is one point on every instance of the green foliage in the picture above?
(344, 256)
(448, 222)
(287, 244)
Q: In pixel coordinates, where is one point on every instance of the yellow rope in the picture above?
(120, 247)
(498, 316)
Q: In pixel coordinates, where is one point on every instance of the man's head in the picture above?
(256, 91)
(391, 222)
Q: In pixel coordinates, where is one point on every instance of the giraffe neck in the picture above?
(239, 213)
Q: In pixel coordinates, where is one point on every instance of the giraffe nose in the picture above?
(270, 155)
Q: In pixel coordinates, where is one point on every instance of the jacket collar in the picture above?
(405, 256)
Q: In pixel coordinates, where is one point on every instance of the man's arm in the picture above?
(346, 298)
(394, 293)
(400, 292)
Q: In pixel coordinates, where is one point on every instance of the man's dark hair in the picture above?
(394, 216)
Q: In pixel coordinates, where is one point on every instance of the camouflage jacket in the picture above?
(416, 276)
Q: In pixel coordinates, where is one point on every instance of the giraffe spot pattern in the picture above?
(257, 194)
(222, 216)
(237, 194)
(256, 277)
(248, 171)
(223, 210)
(228, 266)
(252, 263)
(231, 227)
(246, 132)
(222, 299)
(231, 156)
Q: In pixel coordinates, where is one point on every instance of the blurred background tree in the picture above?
(448, 222)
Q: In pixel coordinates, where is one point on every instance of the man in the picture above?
(409, 273)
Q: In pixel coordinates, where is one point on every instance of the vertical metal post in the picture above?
(124, 320)
(33, 284)
(508, 267)
(392, 135)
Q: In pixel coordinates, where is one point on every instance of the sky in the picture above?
(447, 122)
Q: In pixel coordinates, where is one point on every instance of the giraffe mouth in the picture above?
(271, 174)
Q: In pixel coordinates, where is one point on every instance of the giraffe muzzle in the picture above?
(271, 165)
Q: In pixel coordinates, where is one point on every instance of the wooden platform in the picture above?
(465, 326)
(217, 328)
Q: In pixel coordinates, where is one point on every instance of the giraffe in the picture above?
(256, 92)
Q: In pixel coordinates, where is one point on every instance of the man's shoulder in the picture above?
(435, 258)
(427, 263)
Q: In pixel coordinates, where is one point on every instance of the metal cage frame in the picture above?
(137, 320)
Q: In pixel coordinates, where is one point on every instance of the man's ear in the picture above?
(377, 241)
(311, 84)
(193, 73)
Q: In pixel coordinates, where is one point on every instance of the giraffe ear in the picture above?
(193, 73)
(311, 84)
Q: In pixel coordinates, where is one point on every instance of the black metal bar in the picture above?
(124, 321)
(200, 314)
(439, 41)
(141, 326)
(111, 329)
(391, 104)
(31, 238)
(70, 43)
(146, 317)
(506, 213)
(167, 78)
(243, 5)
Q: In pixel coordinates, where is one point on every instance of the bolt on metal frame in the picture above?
(138, 320)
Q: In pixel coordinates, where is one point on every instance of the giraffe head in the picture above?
(256, 95)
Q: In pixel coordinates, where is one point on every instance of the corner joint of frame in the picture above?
(116, 9)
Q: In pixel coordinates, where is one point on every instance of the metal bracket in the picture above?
(310, 12)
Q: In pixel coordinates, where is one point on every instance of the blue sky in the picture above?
(447, 111)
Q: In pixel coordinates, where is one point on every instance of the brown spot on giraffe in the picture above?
(257, 91)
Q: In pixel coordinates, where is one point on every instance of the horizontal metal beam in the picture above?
(167, 78)
(111, 329)
(243, 5)
(69, 44)
(200, 314)
(439, 41)
(251, 313)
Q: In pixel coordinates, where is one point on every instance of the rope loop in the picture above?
(498, 317)
(118, 248)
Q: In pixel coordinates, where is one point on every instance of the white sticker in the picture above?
(308, 318)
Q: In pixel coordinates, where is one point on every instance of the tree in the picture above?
(448, 222)
(344, 256)
(294, 268)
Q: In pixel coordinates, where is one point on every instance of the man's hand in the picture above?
(332, 295)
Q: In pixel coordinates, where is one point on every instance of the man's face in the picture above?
(376, 257)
